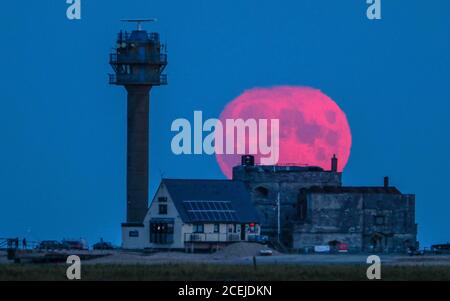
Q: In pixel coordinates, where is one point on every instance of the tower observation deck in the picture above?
(138, 62)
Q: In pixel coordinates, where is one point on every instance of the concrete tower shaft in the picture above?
(138, 62)
(137, 152)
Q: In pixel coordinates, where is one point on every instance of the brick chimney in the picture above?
(248, 160)
(334, 163)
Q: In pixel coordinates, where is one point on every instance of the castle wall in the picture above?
(315, 209)
(264, 184)
(330, 217)
(304, 176)
(365, 221)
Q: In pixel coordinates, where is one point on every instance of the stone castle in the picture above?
(316, 209)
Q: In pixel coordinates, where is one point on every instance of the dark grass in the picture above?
(202, 272)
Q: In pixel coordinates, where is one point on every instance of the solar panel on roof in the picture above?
(207, 206)
(189, 206)
(200, 206)
(203, 211)
(213, 206)
(194, 215)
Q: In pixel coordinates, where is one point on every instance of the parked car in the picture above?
(74, 245)
(50, 245)
(103, 246)
(441, 248)
(265, 252)
(262, 239)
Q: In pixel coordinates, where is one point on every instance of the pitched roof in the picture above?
(212, 201)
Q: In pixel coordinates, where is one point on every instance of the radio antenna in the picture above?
(139, 22)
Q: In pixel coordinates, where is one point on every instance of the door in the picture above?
(242, 232)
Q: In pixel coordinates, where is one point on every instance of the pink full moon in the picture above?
(312, 127)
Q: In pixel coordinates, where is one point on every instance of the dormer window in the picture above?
(162, 209)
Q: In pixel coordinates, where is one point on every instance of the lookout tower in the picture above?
(138, 62)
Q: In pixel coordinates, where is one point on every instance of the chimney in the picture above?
(247, 160)
(386, 182)
(334, 163)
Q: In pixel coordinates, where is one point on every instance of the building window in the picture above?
(161, 232)
(134, 233)
(198, 228)
(379, 220)
(216, 228)
(162, 209)
(262, 192)
(234, 228)
(127, 69)
(162, 199)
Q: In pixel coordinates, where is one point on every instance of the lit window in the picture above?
(161, 232)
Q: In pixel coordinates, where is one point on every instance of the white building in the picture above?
(195, 214)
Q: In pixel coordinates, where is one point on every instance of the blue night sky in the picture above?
(63, 128)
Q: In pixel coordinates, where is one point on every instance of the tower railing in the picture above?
(125, 36)
(160, 59)
(137, 79)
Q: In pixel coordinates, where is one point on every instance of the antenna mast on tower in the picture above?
(139, 22)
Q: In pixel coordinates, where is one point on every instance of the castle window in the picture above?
(302, 205)
(379, 220)
(262, 191)
(162, 199)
